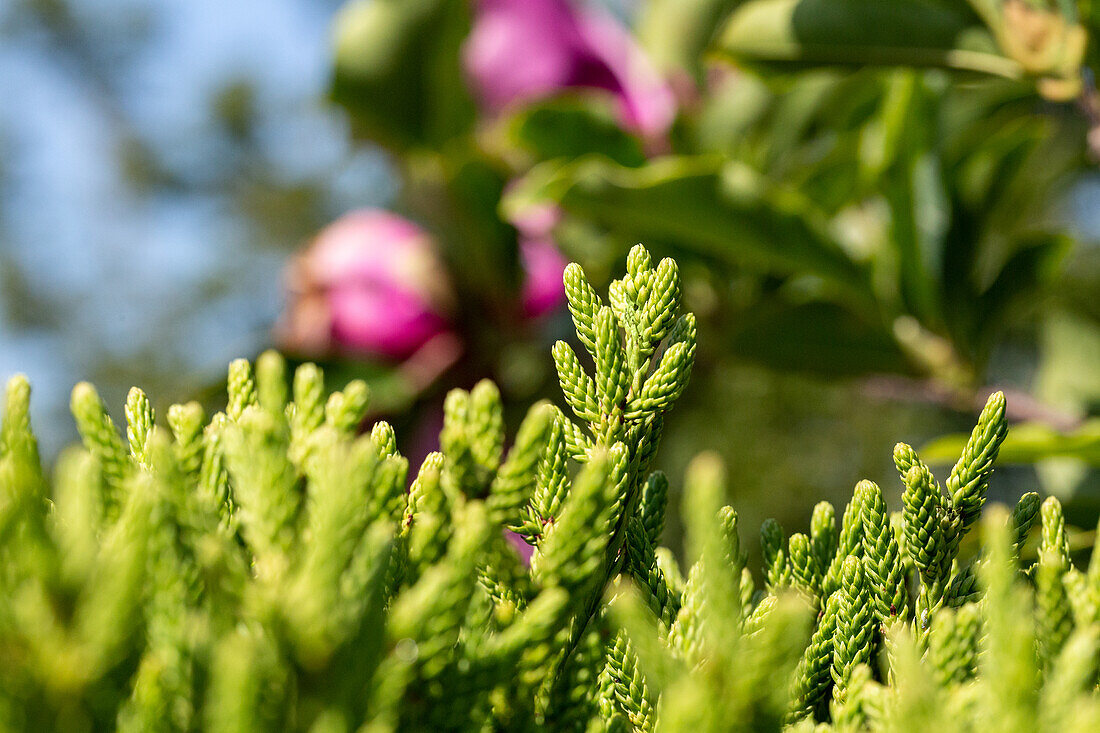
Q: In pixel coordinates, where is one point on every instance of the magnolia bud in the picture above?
(369, 283)
(520, 50)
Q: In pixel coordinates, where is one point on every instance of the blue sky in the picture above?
(172, 274)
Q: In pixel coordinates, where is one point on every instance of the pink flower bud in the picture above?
(370, 282)
(520, 50)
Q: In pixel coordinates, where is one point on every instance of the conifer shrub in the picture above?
(273, 568)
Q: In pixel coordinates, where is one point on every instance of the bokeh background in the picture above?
(160, 161)
(870, 251)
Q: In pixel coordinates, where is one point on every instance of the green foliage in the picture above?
(397, 68)
(872, 178)
(268, 570)
(979, 36)
(852, 187)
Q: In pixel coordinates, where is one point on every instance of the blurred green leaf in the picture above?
(1068, 374)
(1027, 271)
(734, 105)
(704, 205)
(674, 33)
(819, 338)
(458, 194)
(915, 190)
(1007, 172)
(398, 71)
(914, 33)
(569, 127)
(1028, 443)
